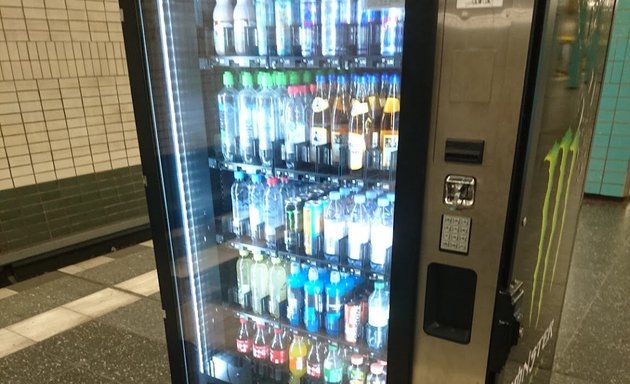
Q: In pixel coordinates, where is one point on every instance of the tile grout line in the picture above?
(126, 295)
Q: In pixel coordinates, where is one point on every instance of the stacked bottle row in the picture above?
(347, 225)
(350, 120)
(307, 359)
(315, 298)
(306, 28)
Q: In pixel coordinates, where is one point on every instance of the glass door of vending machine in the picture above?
(283, 144)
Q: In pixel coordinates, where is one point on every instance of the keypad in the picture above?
(455, 234)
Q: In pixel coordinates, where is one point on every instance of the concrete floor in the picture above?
(103, 320)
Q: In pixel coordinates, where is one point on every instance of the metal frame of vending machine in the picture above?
(477, 90)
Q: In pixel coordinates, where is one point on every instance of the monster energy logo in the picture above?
(548, 256)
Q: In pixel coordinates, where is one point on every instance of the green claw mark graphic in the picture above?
(574, 148)
(564, 146)
(552, 158)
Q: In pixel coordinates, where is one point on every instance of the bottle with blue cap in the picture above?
(358, 231)
(381, 234)
(334, 304)
(240, 204)
(378, 316)
(335, 228)
(313, 301)
(257, 208)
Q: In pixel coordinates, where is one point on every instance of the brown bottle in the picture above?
(389, 123)
(360, 135)
(340, 119)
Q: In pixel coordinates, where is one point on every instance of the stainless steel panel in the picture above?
(481, 68)
(565, 109)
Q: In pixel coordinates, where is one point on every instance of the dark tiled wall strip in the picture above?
(36, 213)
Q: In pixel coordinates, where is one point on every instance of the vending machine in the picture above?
(363, 191)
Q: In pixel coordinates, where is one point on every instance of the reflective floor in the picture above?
(100, 321)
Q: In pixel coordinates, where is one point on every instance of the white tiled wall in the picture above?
(65, 102)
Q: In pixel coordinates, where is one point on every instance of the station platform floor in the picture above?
(100, 321)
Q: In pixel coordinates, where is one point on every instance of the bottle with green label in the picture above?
(333, 367)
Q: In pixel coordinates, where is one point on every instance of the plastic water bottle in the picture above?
(295, 126)
(228, 117)
(334, 304)
(310, 27)
(277, 286)
(378, 316)
(382, 233)
(247, 119)
(392, 21)
(223, 27)
(335, 227)
(333, 366)
(266, 27)
(287, 26)
(274, 211)
(371, 202)
(256, 207)
(330, 21)
(376, 376)
(295, 295)
(282, 97)
(243, 277)
(313, 301)
(240, 204)
(358, 230)
(245, 27)
(260, 284)
(267, 120)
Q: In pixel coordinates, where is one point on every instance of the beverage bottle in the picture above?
(261, 348)
(378, 316)
(361, 127)
(243, 276)
(389, 122)
(297, 357)
(295, 125)
(295, 295)
(348, 17)
(244, 342)
(265, 27)
(356, 371)
(370, 202)
(282, 97)
(313, 301)
(245, 28)
(260, 286)
(320, 119)
(310, 27)
(376, 375)
(331, 87)
(335, 228)
(381, 234)
(345, 200)
(392, 21)
(331, 20)
(368, 30)
(334, 304)
(277, 352)
(240, 204)
(277, 286)
(274, 212)
(333, 366)
(266, 120)
(256, 207)
(247, 119)
(287, 27)
(340, 119)
(375, 109)
(358, 230)
(315, 360)
(223, 27)
(384, 88)
(228, 117)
